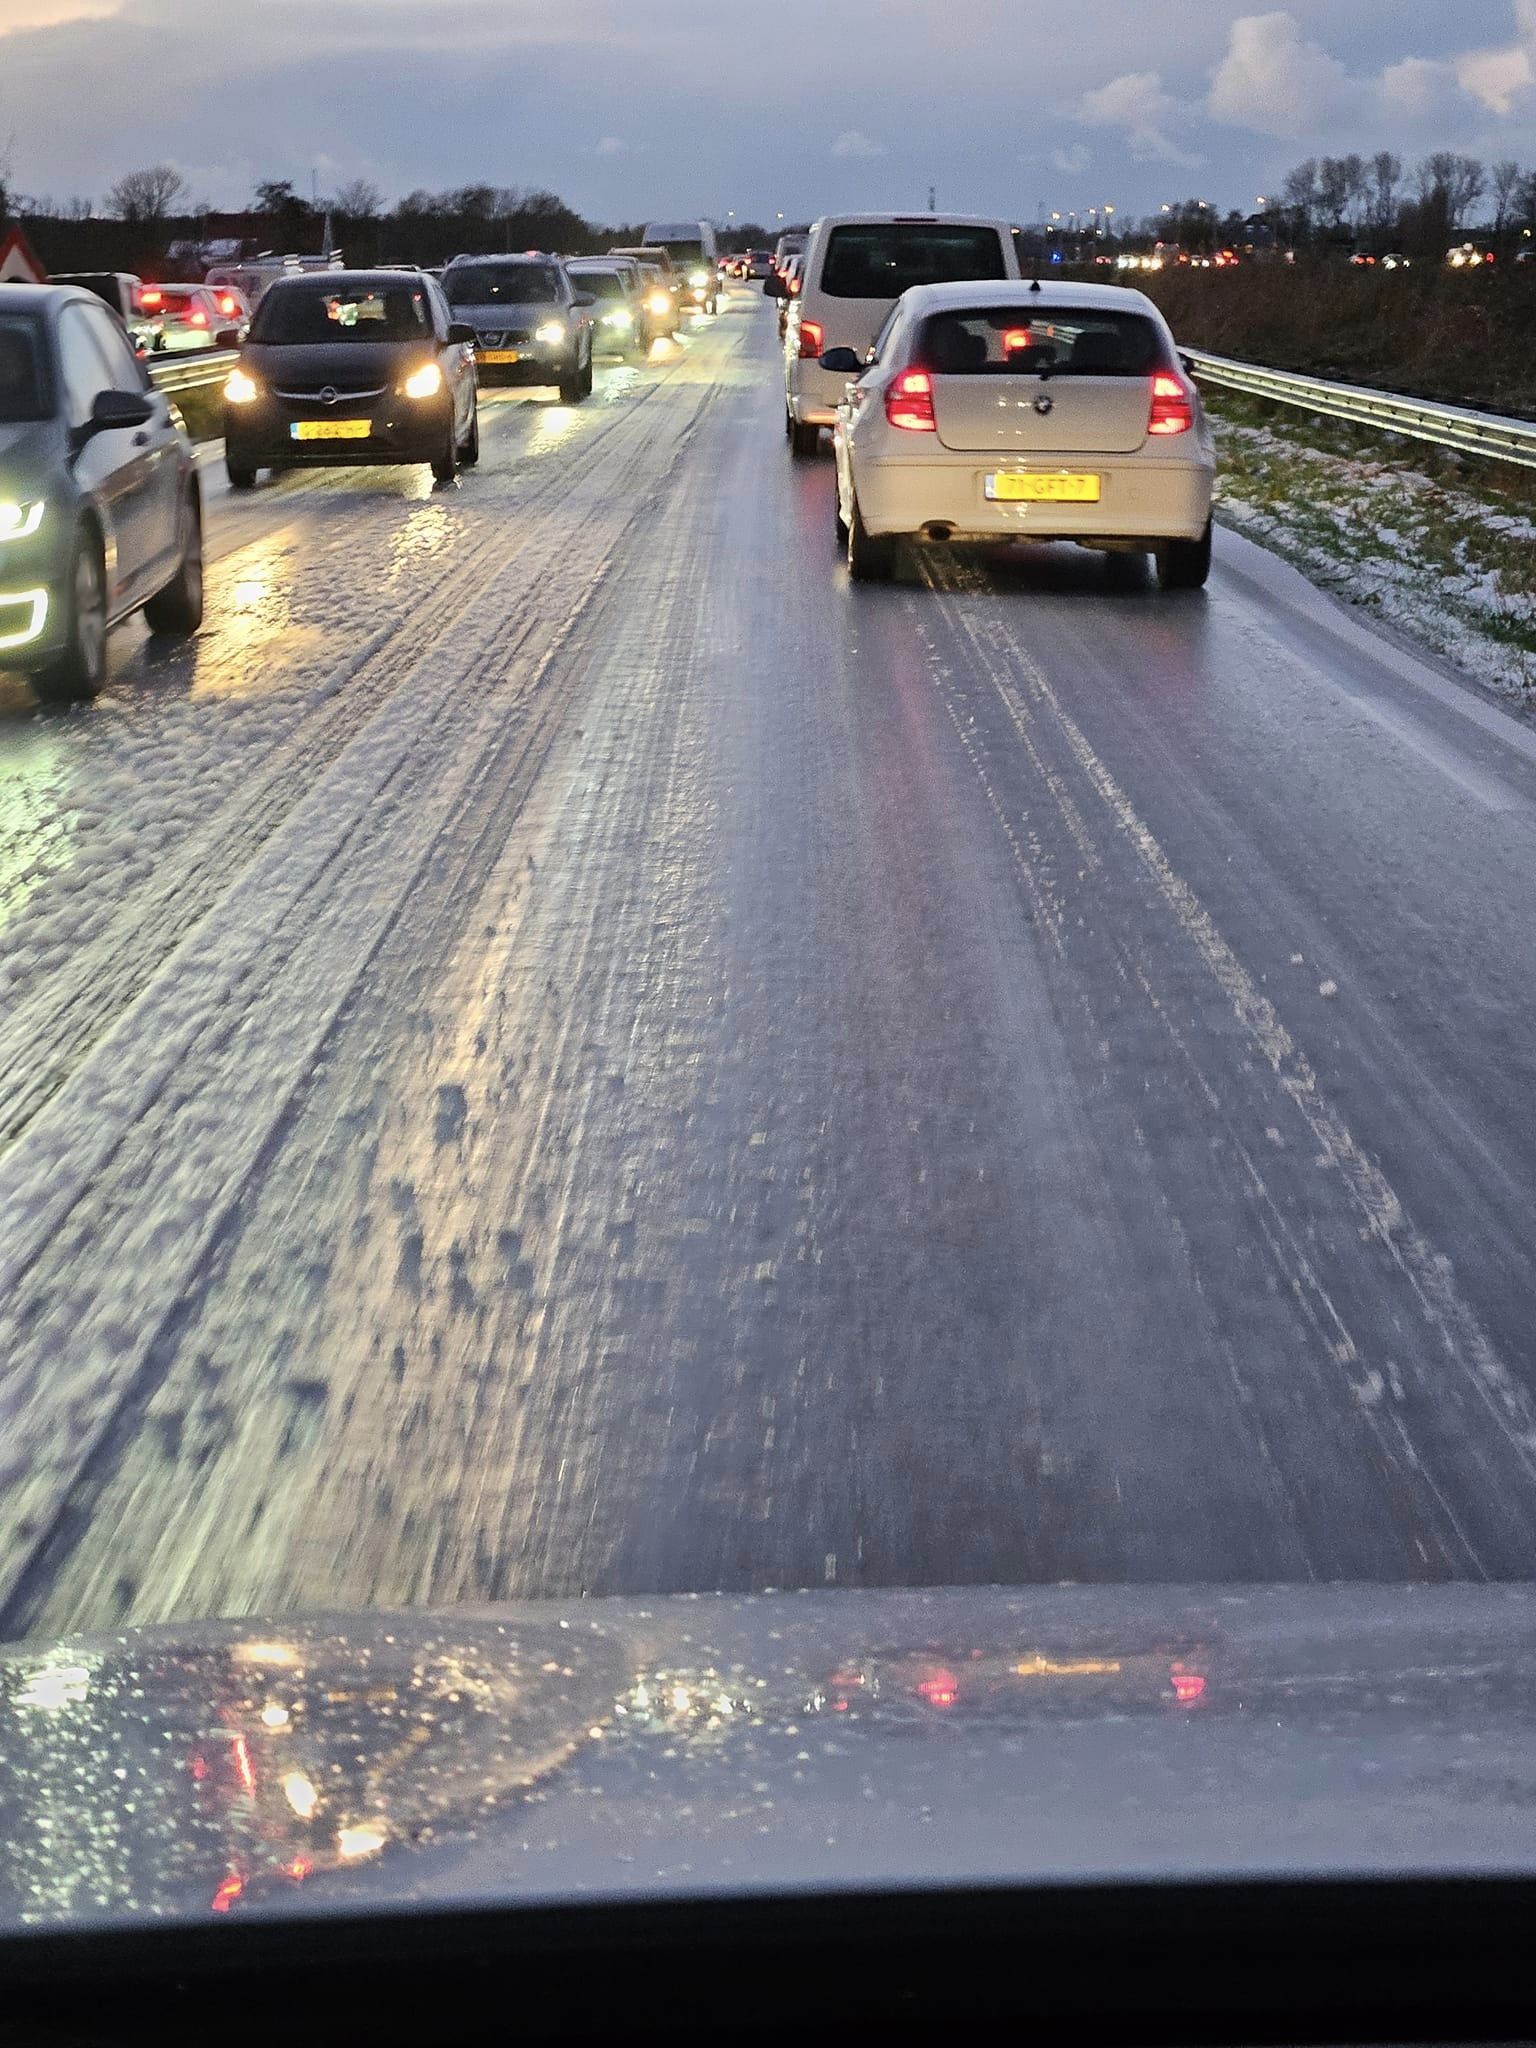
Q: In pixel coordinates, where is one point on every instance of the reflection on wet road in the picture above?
(561, 1048)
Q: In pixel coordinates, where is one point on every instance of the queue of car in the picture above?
(969, 403)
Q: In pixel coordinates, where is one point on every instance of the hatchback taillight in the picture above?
(909, 403)
(1173, 405)
(812, 335)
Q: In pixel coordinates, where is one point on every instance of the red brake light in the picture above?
(1173, 405)
(226, 304)
(1188, 1688)
(909, 403)
(941, 1689)
(199, 318)
(227, 1893)
(1015, 339)
(149, 297)
(812, 334)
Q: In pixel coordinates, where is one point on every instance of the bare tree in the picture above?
(1504, 182)
(1386, 175)
(1300, 194)
(1453, 182)
(148, 195)
(358, 199)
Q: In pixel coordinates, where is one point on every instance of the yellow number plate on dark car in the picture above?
(501, 355)
(330, 430)
(1012, 487)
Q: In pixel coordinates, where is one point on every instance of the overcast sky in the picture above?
(638, 108)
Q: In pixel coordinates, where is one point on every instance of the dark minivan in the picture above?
(352, 366)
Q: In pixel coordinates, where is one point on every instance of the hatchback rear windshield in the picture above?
(293, 313)
(502, 284)
(1027, 340)
(23, 391)
(603, 284)
(882, 259)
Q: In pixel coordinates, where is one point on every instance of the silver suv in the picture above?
(533, 324)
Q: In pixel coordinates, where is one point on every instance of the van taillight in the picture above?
(909, 403)
(811, 336)
(1173, 405)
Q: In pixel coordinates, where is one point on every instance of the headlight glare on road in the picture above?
(20, 521)
(552, 333)
(241, 389)
(423, 383)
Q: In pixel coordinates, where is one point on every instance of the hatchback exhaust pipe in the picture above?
(938, 529)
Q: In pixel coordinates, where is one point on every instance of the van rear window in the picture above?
(882, 259)
(1026, 340)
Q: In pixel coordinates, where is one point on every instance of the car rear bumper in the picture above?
(1139, 500)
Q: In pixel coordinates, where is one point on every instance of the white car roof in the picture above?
(942, 220)
(944, 298)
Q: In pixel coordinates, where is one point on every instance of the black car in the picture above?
(352, 366)
(101, 512)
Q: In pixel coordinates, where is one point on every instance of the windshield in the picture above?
(1034, 339)
(603, 284)
(684, 255)
(510, 284)
(294, 314)
(883, 260)
(23, 385)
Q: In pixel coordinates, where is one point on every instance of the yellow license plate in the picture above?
(330, 430)
(501, 355)
(1012, 487)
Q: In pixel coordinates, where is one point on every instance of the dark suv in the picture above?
(532, 324)
(101, 513)
(352, 366)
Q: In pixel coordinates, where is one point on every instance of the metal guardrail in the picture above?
(197, 370)
(1442, 426)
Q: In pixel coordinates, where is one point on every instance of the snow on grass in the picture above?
(1447, 562)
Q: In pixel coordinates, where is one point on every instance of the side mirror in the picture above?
(847, 361)
(774, 286)
(462, 333)
(585, 299)
(228, 337)
(121, 409)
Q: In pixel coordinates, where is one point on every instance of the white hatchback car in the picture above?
(1024, 412)
(857, 265)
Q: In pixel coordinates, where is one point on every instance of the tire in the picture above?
(240, 478)
(178, 607)
(1185, 564)
(76, 672)
(572, 389)
(840, 525)
(871, 557)
(586, 380)
(445, 467)
(804, 440)
(469, 454)
(789, 424)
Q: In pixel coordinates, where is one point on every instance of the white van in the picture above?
(691, 246)
(856, 267)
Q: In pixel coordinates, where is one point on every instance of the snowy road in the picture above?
(563, 1047)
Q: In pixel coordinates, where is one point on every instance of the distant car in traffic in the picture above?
(192, 316)
(124, 293)
(100, 504)
(856, 267)
(790, 279)
(1010, 411)
(656, 268)
(619, 315)
(352, 366)
(792, 244)
(531, 323)
(691, 249)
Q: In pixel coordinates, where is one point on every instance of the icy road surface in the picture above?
(562, 1047)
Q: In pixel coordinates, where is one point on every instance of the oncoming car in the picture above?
(100, 505)
(618, 314)
(349, 367)
(531, 324)
(1013, 411)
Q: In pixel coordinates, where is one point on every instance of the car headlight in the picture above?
(552, 333)
(619, 319)
(240, 389)
(19, 521)
(698, 277)
(423, 383)
(659, 302)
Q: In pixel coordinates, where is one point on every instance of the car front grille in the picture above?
(346, 394)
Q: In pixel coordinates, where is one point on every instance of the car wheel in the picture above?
(445, 467)
(839, 522)
(77, 670)
(469, 454)
(804, 440)
(178, 608)
(1185, 564)
(871, 557)
(586, 378)
(571, 391)
(240, 478)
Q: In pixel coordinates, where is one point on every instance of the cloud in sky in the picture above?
(1113, 105)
